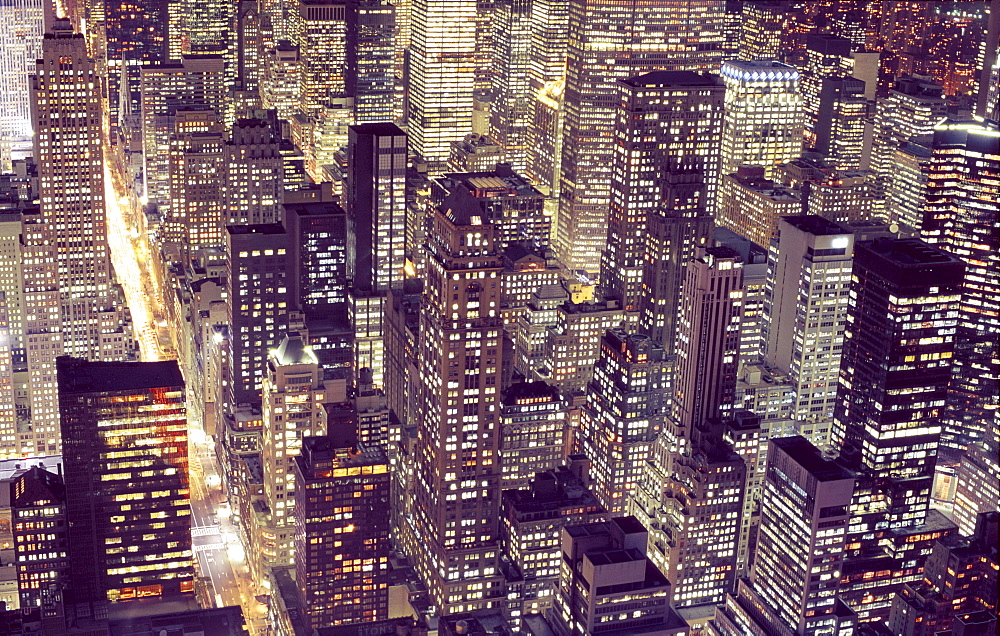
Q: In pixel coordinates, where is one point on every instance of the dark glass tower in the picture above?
(125, 431)
(961, 218)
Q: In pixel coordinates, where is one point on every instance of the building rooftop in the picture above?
(381, 129)
(294, 350)
(534, 391)
(666, 79)
(261, 228)
(809, 457)
(815, 224)
(83, 376)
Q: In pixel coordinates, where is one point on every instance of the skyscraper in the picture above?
(442, 71)
(961, 219)
(376, 226)
(257, 302)
(322, 40)
(69, 155)
(371, 60)
(764, 116)
(21, 33)
(898, 347)
(376, 205)
(793, 585)
(252, 188)
(453, 533)
(656, 134)
(805, 313)
(912, 108)
(827, 55)
(135, 35)
(534, 430)
(605, 564)
(342, 531)
(125, 431)
(194, 81)
(195, 217)
(680, 225)
(708, 339)
(840, 127)
(623, 414)
(752, 205)
(606, 43)
(512, 98)
(293, 398)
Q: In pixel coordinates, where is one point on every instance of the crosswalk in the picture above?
(204, 531)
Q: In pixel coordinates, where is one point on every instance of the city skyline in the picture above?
(540, 317)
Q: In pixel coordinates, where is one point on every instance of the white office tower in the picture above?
(805, 309)
(20, 45)
(764, 115)
(293, 401)
(71, 194)
(795, 578)
(607, 43)
(911, 109)
(442, 73)
(511, 83)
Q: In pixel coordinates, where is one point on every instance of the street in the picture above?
(218, 552)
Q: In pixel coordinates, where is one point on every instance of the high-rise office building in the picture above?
(978, 487)
(128, 509)
(911, 108)
(508, 201)
(534, 430)
(606, 43)
(764, 115)
(792, 588)
(252, 188)
(623, 414)
(69, 156)
(546, 74)
(342, 531)
(318, 279)
(257, 273)
(31, 285)
(752, 205)
(441, 77)
(37, 499)
(454, 508)
(679, 226)
(135, 35)
(193, 81)
(375, 195)
(667, 123)
(531, 523)
(708, 339)
(961, 219)
(322, 40)
(513, 28)
(21, 33)
(282, 80)
(293, 398)
(195, 218)
(900, 332)
(760, 36)
(376, 205)
(605, 565)
(906, 190)
(826, 55)
(246, 53)
(370, 60)
(805, 314)
(840, 126)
